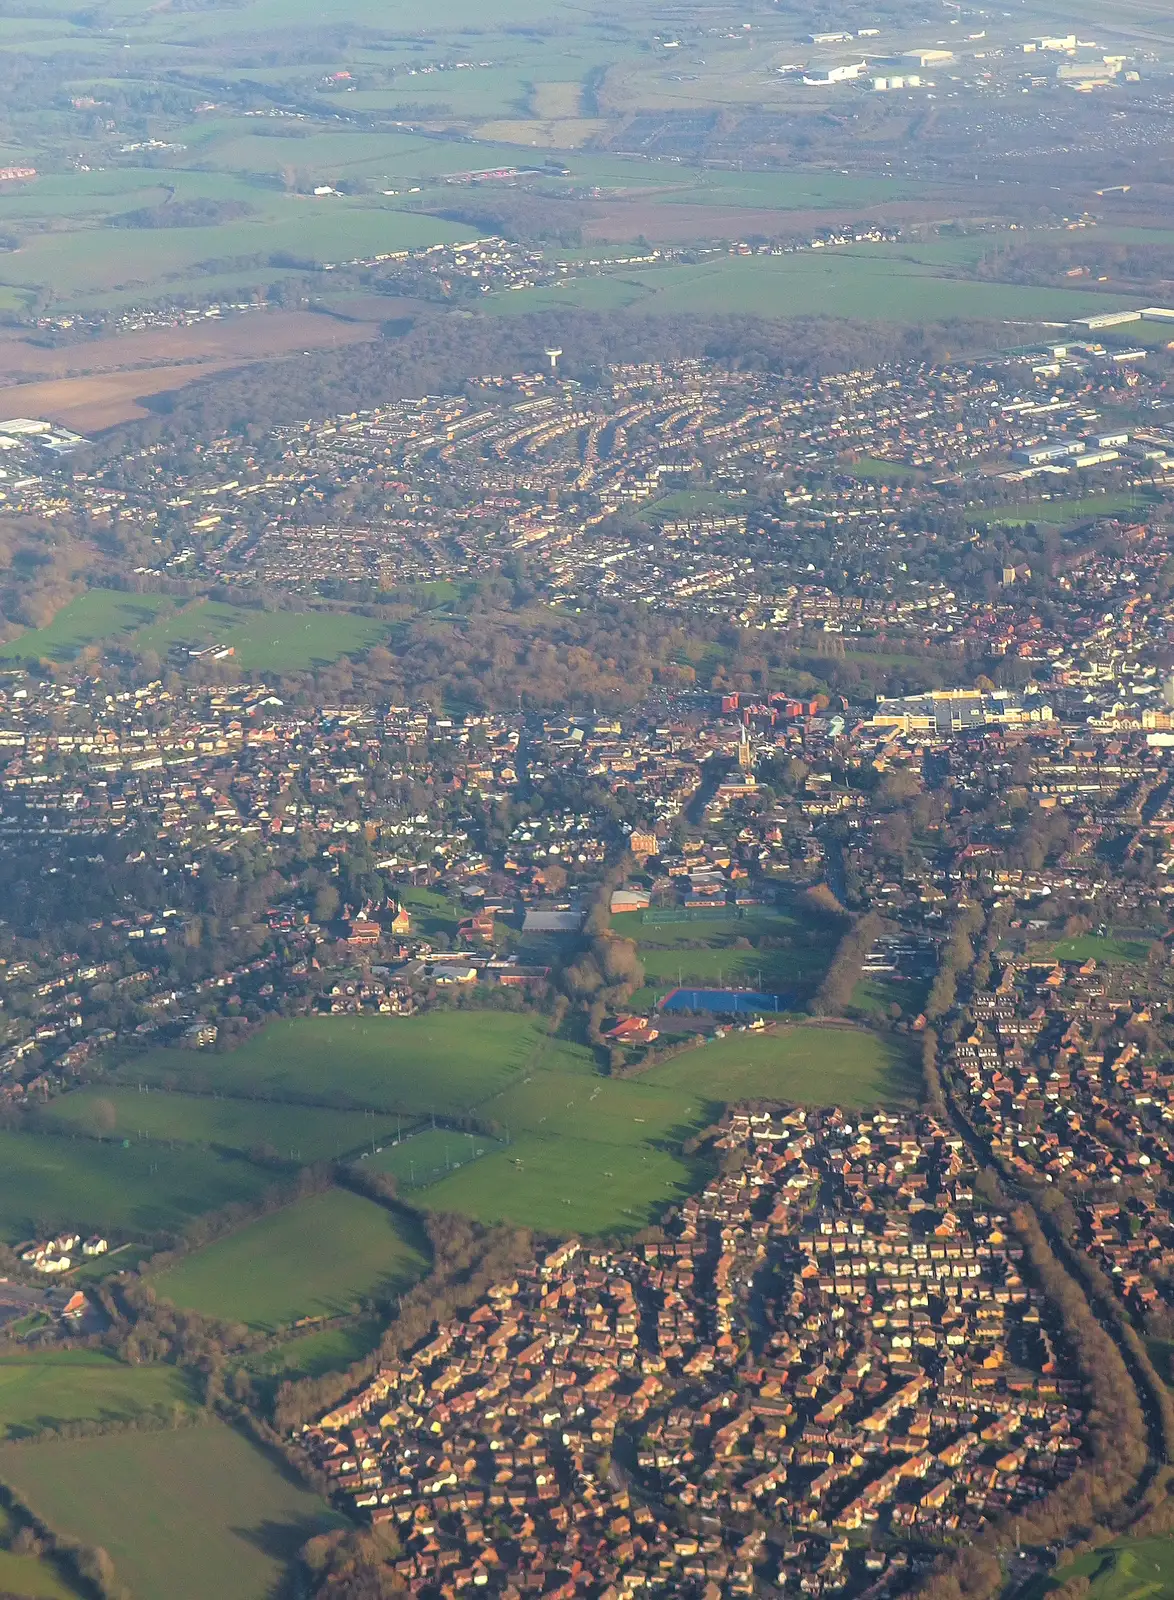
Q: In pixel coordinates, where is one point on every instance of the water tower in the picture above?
(553, 355)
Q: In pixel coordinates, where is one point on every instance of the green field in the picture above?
(316, 1258)
(296, 1133)
(443, 1061)
(100, 616)
(704, 952)
(1062, 512)
(262, 641)
(1134, 1569)
(874, 282)
(185, 1515)
(45, 1388)
(309, 1355)
(575, 1149)
(429, 1155)
(603, 1156)
(1113, 950)
(54, 1181)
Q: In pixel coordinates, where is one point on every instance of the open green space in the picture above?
(429, 1155)
(53, 1182)
(443, 1061)
(694, 503)
(184, 1515)
(330, 230)
(100, 616)
(1131, 1569)
(776, 952)
(867, 282)
(569, 1148)
(1115, 949)
(295, 1133)
(604, 1156)
(317, 1258)
(45, 1388)
(261, 641)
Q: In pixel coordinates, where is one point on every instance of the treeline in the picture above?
(957, 957)
(834, 994)
(88, 1567)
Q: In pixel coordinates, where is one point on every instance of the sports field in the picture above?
(53, 1181)
(262, 641)
(184, 1515)
(45, 1388)
(780, 953)
(295, 1133)
(99, 616)
(316, 1258)
(602, 1155)
(1112, 949)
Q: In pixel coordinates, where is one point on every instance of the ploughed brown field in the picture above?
(98, 383)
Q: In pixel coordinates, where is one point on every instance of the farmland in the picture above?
(315, 1258)
(262, 641)
(45, 1388)
(56, 1182)
(184, 1514)
(97, 384)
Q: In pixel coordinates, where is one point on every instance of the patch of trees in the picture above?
(957, 957)
(196, 213)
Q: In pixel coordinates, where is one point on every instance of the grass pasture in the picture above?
(310, 1355)
(184, 1514)
(54, 1181)
(316, 1258)
(297, 1133)
(45, 1388)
